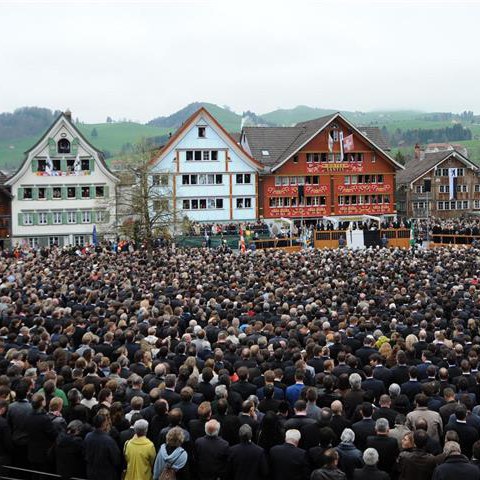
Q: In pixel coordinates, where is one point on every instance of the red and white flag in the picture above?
(348, 145)
(330, 142)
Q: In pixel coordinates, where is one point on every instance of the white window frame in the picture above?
(42, 218)
(27, 218)
(71, 215)
(86, 216)
(55, 216)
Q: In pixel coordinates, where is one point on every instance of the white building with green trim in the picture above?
(62, 189)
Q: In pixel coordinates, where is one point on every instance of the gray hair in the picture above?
(293, 436)
(394, 390)
(140, 427)
(221, 391)
(212, 428)
(370, 457)
(245, 433)
(355, 381)
(381, 425)
(451, 448)
(348, 435)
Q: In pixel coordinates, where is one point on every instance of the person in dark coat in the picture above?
(330, 471)
(70, 452)
(387, 447)
(211, 453)
(287, 461)
(5, 436)
(416, 464)
(455, 465)
(467, 434)
(247, 460)
(370, 471)
(350, 455)
(41, 435)
(365, 427)
(102, 454)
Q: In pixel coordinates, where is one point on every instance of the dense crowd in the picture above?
(203, 364)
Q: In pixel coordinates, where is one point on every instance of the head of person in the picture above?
(245, 433)
(293, 437)
(175, 437)
(140, 428)
(212, 428)
(347, 436)
(381, 426)
(331, 457)
(451, 448)
(370, 457)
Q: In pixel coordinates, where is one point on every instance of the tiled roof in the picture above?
(376, 136)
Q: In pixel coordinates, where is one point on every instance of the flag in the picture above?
(452, 182)
(330, 142)
(94, 235)
(48, 165)
(412, 235)
(341, 146)
(348, 145)
(242, 244)
(77, 165)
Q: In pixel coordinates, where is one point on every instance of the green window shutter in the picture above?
(106, 189)
(63, 165)
(49, 218)
(91, 164)
(64, 218)
(106, 217)
(20, 218)
(78, 192)
(35, 218)
(74, 146)
(20, 193)
(34, 165)
(49, 193)
(92, 191)
(79, 217)
(52, 146)
(64, 193)
(35, 193)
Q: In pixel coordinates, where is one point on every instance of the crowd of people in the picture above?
(206, 364)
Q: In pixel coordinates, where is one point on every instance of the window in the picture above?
(203, 203)
(42, 193)
(444, 172)
(284, 181)
(198, 155)
(278, 181)
(460, 188)
(206, 156)
(85, 192)
(185, 179)
(42, 163)
(53, 241)
(63, 146)
(346, 180)
(71, 192)
(334, 134)
(71, 217)
(244, 178)
(70, 164)
(295, 159)
(444, 189)
(218, 179)
(465, 205)
(476, 204)
(314, 157)
(85, 164)
(477, 188)
(214, 155)
(219, 203)
(265, 153)
(460, 172)
(202, 179)
(202, 132)
(28, 218)
(99, 191)
(28, 193)
(186, 205)
(379, 178)
(354, 179)
(418, 188)
(79, 240)
(189, 154)
(244, 203)
(57, 192)
(101, 217)
(42, 218)
(86, 216)
(57, 218)
(33, 242)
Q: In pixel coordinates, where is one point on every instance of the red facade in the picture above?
(363, 183)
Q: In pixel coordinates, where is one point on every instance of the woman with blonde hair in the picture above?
(172, 456)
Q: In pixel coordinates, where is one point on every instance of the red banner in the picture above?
(363, 209)
(365, 188)
(313, 211)
(341, 167)
(292, 190)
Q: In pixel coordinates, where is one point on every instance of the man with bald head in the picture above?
(338, 422)
(211, 453)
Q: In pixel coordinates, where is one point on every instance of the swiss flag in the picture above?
(348, 145)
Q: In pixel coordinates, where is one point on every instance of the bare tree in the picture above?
(144, 210)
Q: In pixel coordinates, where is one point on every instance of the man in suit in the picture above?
(211, 453)
(399, 373)
(365, 427)
(413, 386)
(385, 411)
(455, 465)
(373, 385)
(387, 447)
(169, 393)
(467, 434)
(370, 471)
(287, 461)
(243, 386)
(247, 460)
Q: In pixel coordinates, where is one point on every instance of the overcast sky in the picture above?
(139, 60)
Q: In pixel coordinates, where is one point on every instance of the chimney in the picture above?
(417, 152)
(68, 114)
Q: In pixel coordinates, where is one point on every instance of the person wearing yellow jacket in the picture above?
(139, 454)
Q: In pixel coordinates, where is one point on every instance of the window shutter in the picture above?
(20, 218)
(34, 165)
(78, 192)
(64, 218)
(106, 217)
(79, 216)
(49, 218)
(92, 191)
(20, 193)
(106, 189)
(52, 146)
(63, 164)
(35, 193)
(74, 146)
(35, 218)
(91, 164)
(49, 193)
(64, 193)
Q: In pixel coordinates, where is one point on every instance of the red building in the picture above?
(311, 173)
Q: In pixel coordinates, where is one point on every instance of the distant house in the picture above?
(62, 189)
(310, 172)
(209, 177)
(424, 188)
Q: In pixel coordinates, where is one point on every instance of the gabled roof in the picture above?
(282, 143)
(188, 124)
(64, 117)
(415, 169)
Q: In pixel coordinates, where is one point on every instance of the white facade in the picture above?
(62, 190)
(210, 177)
